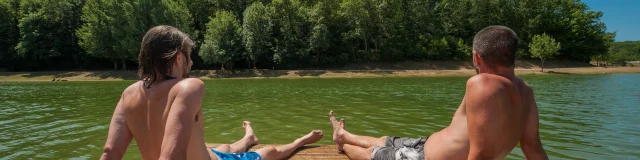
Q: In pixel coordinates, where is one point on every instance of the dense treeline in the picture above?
(621, 52)
(285, 34)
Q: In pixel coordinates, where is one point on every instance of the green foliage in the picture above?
(319, 41)
(621, 52)
(114, 28)
(47, 31)
(570, 22)
(292, 33)
(223, 41)
(620, 58)
(324, 40)
(200, 11)
(290, 27)
(9, 33)
(630, 48)
(256, 31)
(543, 47)
(362, 35)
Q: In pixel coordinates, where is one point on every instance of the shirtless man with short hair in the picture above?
(497, 111)
(162, 111)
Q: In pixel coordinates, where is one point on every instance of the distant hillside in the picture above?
(622, 52)
(626, 47)
(454, 65)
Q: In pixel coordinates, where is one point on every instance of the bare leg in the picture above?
(357, 152)
(243, 144)
(284, 151)
(341, 136)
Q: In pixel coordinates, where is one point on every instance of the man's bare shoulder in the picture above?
(131, 96)
(527, 86)
(488, 83)
(134, 88)
(188, 86)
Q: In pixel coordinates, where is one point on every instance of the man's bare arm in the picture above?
(530, 141)
(119, 136)
(482, 118)
(180, 120)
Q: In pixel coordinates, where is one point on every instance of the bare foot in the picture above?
(248, 132)
(312, 137)
(337, 131)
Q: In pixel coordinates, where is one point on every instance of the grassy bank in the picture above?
(404, 69)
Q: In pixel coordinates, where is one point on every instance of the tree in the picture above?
(36, 34)
(599, 59)
(223, 40)
(319, 41)
(620, 53)
(291, 29)
(200, 11)
(543, 47)
(256, 31)
(9, 33)
(47, 32)
(395, 29)
(444, 28)
(363, 32)
(324, 39)
(114, 28)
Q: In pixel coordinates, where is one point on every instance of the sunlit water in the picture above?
(581, 116)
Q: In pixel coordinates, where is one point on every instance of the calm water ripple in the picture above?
(581, 116)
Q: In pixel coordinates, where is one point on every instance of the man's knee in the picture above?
(367, 154)
(370, 149)
(224, 148)
(267, 151)
(382, 141)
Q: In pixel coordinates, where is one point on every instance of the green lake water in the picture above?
(581, 116)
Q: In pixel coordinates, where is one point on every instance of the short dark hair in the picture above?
(497, 46)
(158, 51)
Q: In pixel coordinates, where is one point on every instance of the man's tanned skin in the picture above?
(497, 111)
(162, 110)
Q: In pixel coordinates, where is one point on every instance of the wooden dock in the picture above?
(308, 152)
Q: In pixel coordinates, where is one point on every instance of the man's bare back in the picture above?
(147, 114)
(514, 106)
(144, 113)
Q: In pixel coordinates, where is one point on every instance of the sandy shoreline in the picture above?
(248, 74)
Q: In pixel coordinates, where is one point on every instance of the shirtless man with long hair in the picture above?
(162, 111)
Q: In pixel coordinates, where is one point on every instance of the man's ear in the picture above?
(476, 58)
(178, 58)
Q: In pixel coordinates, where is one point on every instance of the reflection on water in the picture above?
(581, 116)
(54, 120)
(590, 117)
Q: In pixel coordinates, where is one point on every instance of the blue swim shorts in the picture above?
(237, 156)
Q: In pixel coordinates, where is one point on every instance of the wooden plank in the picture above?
(308, 152)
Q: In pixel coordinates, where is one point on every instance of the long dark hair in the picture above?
(158, 51)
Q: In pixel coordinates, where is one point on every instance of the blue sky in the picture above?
(620, 16)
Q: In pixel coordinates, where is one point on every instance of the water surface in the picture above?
(581, 116)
